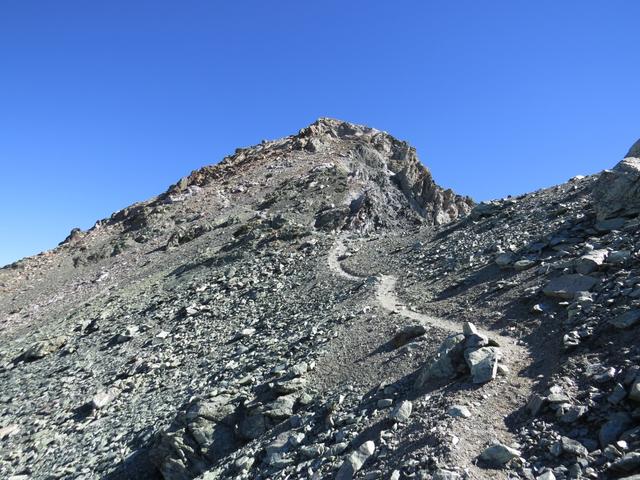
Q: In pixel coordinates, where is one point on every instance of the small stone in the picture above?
(523, 264)
(613, 428)
(573, 447)
(44, 347)
(498, 455)
(548, 475)
(535, 404)
(619, 393)
(101, 399)
(406, 334)
(628, 463)
(469, 329)
(247, 332)
(634, 393)
(459, 411)
(353, 463)
(618, 257)
(244, 463)
(442, 474)
(505, 259)
(6, 432)
(384, 403)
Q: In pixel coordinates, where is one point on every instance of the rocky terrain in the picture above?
(318, 307)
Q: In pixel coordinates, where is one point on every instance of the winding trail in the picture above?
(388, 300)
(499, 399)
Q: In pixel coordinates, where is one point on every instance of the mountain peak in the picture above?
(634, 151)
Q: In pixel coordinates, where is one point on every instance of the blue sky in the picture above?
(103, 104)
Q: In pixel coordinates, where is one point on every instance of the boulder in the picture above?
(195, 440)
(567, 286)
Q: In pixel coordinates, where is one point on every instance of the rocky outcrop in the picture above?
(386, 164)
(617, 191)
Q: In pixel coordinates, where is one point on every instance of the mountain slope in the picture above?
(297, 311)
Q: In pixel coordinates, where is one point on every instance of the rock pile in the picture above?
(467, 353)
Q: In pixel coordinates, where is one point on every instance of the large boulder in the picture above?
(617, 191)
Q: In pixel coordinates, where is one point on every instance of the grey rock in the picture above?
(536, 403)
(618, 257)
(591, 261)
(354, 461)
(613, 428)
(101, 399)
(444, 364)
(617, 191)
(442, 474)
(627, 463)
(498, 454)
(548, 475)
(627, 319)
(567, 286)
(459, 411)
(406, 334)
(523, 264)
(483, 363)
(402, 411)
(634, 392)
(43, 348)
(6, 432)
(505, 259)
(573, 447)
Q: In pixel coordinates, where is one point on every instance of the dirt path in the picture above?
(498, 399)
(387, 299)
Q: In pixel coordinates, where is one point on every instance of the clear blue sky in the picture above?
(103, 104)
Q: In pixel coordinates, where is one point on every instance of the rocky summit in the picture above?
(318, 307)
